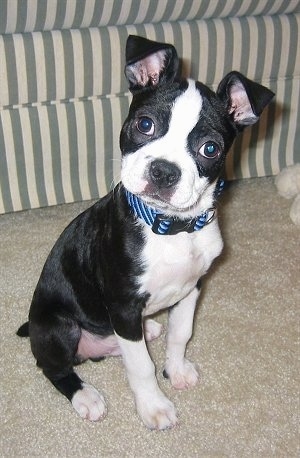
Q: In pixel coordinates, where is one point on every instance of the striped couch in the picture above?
(63, 95)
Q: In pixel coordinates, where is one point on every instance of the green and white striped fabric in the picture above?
(63, 95)
(18, 16)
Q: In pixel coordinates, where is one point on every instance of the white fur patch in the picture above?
(89, 403)
(155, 410)
(174, 264)
(171, 147)
(183, 375)
(181, 372)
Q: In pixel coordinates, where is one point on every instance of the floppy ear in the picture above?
(149, 63)
(245, 99)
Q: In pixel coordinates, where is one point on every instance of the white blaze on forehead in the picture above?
(185, 115)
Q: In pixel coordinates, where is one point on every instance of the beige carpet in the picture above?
(245, 344)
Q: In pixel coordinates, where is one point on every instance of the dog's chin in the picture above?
(168, 204)
(174, 201)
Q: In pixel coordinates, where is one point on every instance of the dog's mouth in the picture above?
(157, 196)
(165, 201)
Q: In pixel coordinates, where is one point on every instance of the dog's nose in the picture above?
(164, 174)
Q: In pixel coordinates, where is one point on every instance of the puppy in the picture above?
(144, 246)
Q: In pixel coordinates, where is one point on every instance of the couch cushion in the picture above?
(63, 95)
(42, 67)
(33, 15)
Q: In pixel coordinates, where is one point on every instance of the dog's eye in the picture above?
(145, 126)
(210, 150)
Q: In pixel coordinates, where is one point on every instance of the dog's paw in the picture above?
(157, 413)
(89, 403)
(152, 329)
(182, 376)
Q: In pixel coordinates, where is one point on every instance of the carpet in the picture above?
(245, 343)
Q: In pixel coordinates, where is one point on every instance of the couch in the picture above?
(63, 94)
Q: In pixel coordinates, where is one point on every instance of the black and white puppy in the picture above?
(144, 246)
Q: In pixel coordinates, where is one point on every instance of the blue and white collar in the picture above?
(169, 225)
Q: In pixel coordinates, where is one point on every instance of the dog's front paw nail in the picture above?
(182, 376)
(157, 413)
(89, 403)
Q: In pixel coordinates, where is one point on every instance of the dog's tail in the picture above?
(23, 330)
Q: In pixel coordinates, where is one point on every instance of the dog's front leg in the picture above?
(181, 372)
(156, 411)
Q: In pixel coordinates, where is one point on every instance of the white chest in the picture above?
(175, 263)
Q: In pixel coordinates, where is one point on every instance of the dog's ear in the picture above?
(149, 63)
(245, 99)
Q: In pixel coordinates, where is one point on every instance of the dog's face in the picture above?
(174, 143)
(176, 136)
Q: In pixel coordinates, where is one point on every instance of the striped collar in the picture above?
(169, 225)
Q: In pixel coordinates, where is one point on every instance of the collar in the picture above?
(170, 225)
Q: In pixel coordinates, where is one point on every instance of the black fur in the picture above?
(23, 330)
(138, 48)
(88, 282)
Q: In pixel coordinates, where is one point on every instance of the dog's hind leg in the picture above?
(54, 344)
(85, 399)
(89, 403)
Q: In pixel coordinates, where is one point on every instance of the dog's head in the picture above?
(177, 133)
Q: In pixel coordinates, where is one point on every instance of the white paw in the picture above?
(157, 412)
(152, 329)
(182, 376)
(89, 403)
